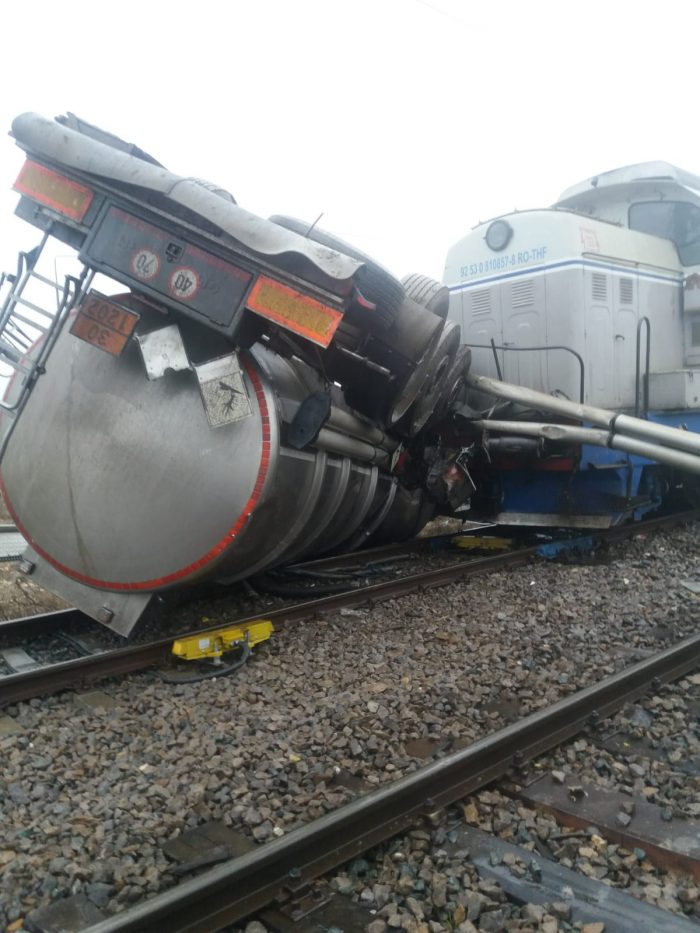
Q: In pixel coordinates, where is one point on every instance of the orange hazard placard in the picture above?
(104, 324)
(292, 309)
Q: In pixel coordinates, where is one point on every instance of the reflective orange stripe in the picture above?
(292, 309)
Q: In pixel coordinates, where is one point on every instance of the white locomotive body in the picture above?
(595, 300)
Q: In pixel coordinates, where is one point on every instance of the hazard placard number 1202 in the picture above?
(104, 324)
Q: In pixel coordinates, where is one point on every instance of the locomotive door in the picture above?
(625, 319)
(599, 338)
(524, 317)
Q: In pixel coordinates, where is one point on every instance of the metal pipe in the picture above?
(644, 321)
(369, 364)
(337, 443)
(495, 359)
(544, 349)
(348, 423)
(673, 437)
(576, 435)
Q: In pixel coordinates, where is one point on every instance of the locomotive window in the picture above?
(675, 220)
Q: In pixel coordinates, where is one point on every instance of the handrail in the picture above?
(582, 366)
(27, 337)
(643, 320)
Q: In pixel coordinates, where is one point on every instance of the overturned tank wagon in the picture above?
(208, 394)
(212, 394)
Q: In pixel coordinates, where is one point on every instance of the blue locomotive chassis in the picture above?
(606, 483)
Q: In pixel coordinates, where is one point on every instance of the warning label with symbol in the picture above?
(223, 390)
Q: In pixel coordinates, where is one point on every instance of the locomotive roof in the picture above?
(634, 174)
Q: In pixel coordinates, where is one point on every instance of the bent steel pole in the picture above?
(575, 435)
(601, 417)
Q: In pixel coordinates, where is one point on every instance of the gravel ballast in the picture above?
(89, 794)
(424, 883)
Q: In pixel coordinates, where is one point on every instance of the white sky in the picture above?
(404, 121)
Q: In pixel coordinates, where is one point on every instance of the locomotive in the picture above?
(211, 394)
(595, 300)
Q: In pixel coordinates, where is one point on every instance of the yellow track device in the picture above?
(471, 542)
(214, 644)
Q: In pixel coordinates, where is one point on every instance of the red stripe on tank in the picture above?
(207, 558)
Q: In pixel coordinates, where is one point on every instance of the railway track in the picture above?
(217, 841)
(37, 680)
(277, 877)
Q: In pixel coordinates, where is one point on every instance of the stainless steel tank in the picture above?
(256, 395)
(120, 482)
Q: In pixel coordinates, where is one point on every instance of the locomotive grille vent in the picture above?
(600, 286)
(695, 334)
(523, 293)
(626, 291)
(481, 301)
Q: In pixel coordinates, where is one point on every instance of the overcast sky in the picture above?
(404, 121)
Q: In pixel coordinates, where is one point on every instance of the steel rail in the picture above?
(371, 555)
(242, 886)
(71, 674)
(46, 622)
(42, 623)
(366, 556)
(74, 674)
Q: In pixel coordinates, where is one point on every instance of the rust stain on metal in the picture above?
(674, 844)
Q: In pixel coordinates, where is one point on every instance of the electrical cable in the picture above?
(217, 671)
(279, 588)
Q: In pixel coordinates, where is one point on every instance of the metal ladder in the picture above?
(33, 306)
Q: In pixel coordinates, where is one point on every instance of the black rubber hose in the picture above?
(278, 588)
(217, 671)
(348, 574)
